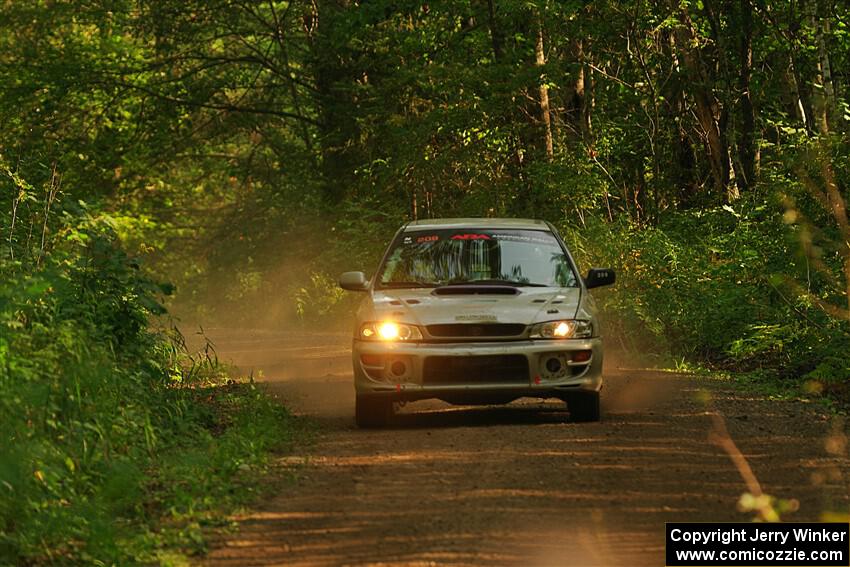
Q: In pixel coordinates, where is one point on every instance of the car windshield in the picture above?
(475, 257)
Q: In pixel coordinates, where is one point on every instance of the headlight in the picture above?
(390, 331)
(569, 329)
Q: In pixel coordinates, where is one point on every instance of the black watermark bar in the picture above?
(758, 545)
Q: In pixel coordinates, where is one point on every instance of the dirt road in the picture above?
(520, 485)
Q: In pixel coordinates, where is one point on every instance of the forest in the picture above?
(180, 164)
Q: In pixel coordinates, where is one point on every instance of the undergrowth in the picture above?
(117, 445)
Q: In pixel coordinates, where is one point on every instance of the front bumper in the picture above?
(399, 370)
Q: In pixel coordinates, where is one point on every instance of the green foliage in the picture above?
(250, 152)
(112, 439)
(228, 140)
(318, 299)
(723, 286)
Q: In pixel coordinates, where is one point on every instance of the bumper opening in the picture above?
(501, 369)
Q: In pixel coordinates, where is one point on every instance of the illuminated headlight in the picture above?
(570, 329)
(390, 331)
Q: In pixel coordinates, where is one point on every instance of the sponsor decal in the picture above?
(523, 238)
(471, 237)
(475, 317)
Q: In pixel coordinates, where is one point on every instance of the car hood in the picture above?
(425, 307)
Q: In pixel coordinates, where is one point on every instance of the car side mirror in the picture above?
(354, 281)
(597, 277)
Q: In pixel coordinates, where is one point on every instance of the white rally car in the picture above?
(476, 311)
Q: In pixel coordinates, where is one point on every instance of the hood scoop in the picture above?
(476, 290)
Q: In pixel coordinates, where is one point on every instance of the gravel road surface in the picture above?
(519, 484)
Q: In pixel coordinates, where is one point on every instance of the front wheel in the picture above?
(584, 406)
(372, 411)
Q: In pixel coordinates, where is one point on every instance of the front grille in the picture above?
(466, 330)
(503, 369)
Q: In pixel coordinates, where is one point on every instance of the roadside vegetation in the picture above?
(117, 445)
(247, 153)
(756, 288)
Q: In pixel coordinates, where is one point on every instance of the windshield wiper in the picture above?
(496, 282)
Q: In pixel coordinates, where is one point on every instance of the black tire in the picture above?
(372, 411)
(584, 406)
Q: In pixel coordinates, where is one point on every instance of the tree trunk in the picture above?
(589, 103)
(787, 35)
(794, 83)
(684, 174)
(578, 96)
(495, 35)
(746, 143)
(334, 77)
(582, 91)
(707, 107)
(540, 57)
(824, 93)
(306, 133)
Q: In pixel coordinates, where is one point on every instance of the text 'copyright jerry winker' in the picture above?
(758, 545)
